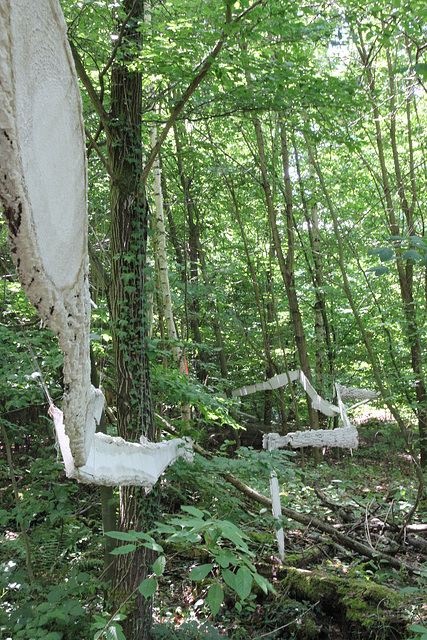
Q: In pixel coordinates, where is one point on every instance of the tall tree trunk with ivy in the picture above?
(128, 233)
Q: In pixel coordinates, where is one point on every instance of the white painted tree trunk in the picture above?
(177, 352)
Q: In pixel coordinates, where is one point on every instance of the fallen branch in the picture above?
(315, 523)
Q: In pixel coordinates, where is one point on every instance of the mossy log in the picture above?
(360, 609)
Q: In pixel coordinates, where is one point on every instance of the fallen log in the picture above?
(315, 523)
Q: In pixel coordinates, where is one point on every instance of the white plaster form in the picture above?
(43, 196)
(345, 437)
(285, 378)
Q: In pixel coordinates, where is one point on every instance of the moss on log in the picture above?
(361, 609)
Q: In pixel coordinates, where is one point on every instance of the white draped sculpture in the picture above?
(43, 197)
(344, 437)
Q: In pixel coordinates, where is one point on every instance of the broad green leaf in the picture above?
(379, 271)
(141, 535)
(159, 565)
(235, 535)
(421, 68)
(190, 523)
(385, 254)
(114, 632)
(418, 628)
(263, 583)
(412, 254)
(184, 536)
(164, 528)
(229, 578)
(129, 536)
(215, 598)
(243, 583)
(201, 571)
(148, 587)
(193, 511)
(224, 558)
(121, 551)
(153, 546)
(418, 242)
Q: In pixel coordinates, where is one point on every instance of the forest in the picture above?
(256, 172)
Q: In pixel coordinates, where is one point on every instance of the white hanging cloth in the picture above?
(43, 197)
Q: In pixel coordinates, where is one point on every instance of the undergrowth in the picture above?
(366, 494)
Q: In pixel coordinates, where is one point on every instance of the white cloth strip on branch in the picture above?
(353, 393)
(44, 199)
(345, 437)
(284, 379)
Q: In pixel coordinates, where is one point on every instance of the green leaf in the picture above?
(412, 254)
(153, 546)
(421, 68)
(201, 571)
(121, 551)
(159, 565)
(229, 578)
(224, 558)
(234, 534)
(418, 628)
(141, 535)
(385, 254)
(114, 632)
(379, 271)
(215, 598)
(263, 583)
(243, 583)
(129, 536)
(418, 242)
(193, 511)
(148, 587)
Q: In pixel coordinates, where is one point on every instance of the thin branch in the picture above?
(85, 80)
(94, 145)
(205, 66)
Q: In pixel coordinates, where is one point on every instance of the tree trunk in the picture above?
(193, 253)
(129, 225)
(404, 269)
(286, 265)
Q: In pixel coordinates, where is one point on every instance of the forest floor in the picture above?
(324, 588)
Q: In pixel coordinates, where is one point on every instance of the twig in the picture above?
(264, 635)
(411, 514)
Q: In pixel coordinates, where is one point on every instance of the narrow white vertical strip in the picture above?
(277, 512)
